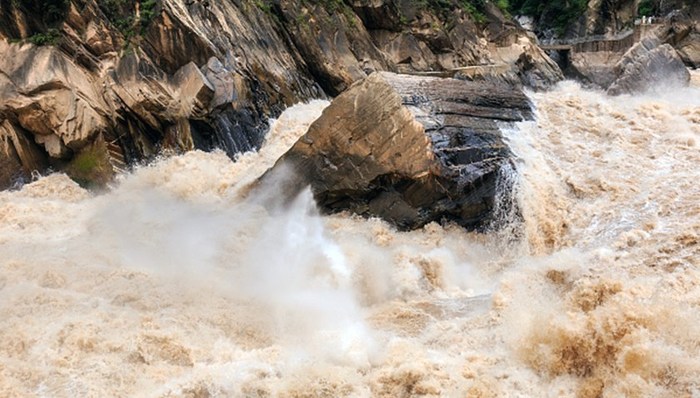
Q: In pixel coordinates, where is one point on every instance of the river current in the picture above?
(174, 283)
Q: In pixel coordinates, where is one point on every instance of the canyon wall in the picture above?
(90, 87)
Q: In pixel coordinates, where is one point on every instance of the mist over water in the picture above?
(174, 283)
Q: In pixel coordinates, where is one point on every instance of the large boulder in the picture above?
(683, 33)
(536, 69)
(647, 64)
(597, 67)
(689, 49)
(408, 149)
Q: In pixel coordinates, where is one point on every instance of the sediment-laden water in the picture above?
(174, 283)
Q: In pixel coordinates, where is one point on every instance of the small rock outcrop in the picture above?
(646, 64)
(19, 156)
(535, 69)
(408, 149)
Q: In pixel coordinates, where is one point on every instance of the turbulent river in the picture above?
(174, 283)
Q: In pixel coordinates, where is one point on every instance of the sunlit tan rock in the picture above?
(407, 149)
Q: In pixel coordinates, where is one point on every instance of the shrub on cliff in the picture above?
(39, 22)
(124, 16)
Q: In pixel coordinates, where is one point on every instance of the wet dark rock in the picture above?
(408, 149)
(379, 14)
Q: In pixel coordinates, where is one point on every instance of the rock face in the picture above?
(197, 75)
(171, 75)
(689, 49)
(423, 43)
(682, 31)
(408, 149)
(597, 68)
(609, 16)
(646, 64)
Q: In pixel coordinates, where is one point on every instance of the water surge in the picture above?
(176, 283)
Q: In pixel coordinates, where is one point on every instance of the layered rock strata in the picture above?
(143, 77)
(408, 149)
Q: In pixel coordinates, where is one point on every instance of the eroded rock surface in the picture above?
(408, 149)
(647, 64)
(682, 31)
(197, 75)
(173, 75)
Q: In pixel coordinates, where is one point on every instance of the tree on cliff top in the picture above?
(556, 14)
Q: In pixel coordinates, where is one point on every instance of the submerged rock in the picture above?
(408, 149)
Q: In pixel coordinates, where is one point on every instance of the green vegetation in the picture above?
(50, 12)
(50, 37)
(54, 11)
(473, 8)
(504, 5)
(123, 15)
(46, 16)
(91, 167)
(558, 15)
(264, 5)
(445, 8)
(148, 11)
(646, 8)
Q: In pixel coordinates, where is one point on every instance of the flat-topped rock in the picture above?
(408, 149)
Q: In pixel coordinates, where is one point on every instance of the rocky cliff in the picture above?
(87, 86)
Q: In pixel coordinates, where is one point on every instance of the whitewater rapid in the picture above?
(176, 282)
